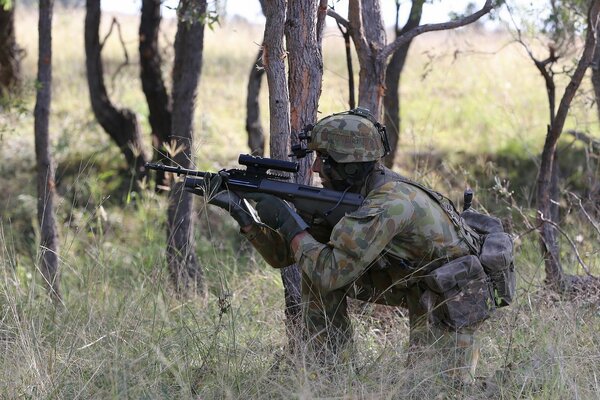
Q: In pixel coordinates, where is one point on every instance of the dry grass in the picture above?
(122, 334)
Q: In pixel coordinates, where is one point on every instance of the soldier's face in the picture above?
(318, 167)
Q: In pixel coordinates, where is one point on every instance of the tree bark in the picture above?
(159, 102)
(256, 136)
(121, 125)
(184, 268)
(391, 100)
(368, 34)
(10, 65)
(305, 65)
(45, 166)
(274, 55)
(555, 276)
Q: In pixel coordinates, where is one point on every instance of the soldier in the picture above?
(405, 246)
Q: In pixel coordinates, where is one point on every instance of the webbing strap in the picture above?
(447, 205)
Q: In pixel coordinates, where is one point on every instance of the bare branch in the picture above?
(406, 37)
(593, 143)
(103, 42)
(589, 218)
(338, 18)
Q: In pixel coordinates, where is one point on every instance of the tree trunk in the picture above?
(256, 136)
(595, 67)
(555, 276)
(274, 55)
(121, 125)
(367, 31)
(159, 103)
(391, 101)
(348, 48)
(305, 63)
(368, 34)
(10, 63)
(185, 271)
(45, 167)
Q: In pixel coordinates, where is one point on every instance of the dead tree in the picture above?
(184, 268)
(10, 52)
(45, 167)
(120, 124)
(159, 101)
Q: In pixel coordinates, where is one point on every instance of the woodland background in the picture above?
(474, 112)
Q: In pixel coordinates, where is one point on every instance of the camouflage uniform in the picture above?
(380, 253)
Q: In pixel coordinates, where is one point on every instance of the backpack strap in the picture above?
(469, 236)
(382, 175)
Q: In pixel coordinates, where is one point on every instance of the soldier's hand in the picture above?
(278, 215)
(237, 207)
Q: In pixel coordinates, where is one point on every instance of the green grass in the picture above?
(122, 333)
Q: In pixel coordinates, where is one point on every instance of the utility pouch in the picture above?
(498, 262)
(463, 290)
(481, 223)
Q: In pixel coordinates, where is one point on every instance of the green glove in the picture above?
(278, 215)
(216, 193)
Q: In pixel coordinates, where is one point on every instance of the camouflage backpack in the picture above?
(487, 240)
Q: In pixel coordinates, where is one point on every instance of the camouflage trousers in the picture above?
(454, 352)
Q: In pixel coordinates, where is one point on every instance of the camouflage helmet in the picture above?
(352, 136)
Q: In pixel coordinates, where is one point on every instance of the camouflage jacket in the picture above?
(398, 226)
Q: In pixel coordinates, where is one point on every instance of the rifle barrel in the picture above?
(175, 170)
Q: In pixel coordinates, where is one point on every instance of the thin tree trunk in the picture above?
(45, 167)
(256, 136)
(159, 102)
(121, 125)
(555, 276)
(274, 55)
(368, 34)
(595, 67)
(184, 268)
(391, 101)
(10, 65)
(305, 62)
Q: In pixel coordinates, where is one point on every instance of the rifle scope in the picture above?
(259, 163)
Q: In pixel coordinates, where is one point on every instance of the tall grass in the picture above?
(122, 333)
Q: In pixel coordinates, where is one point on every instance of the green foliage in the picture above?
(6, 4)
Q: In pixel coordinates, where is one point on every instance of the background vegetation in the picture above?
(474, 113)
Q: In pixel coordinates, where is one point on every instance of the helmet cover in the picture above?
(347, 138)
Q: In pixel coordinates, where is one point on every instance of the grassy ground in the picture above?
(122, 334)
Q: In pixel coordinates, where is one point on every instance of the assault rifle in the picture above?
(317, 206)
